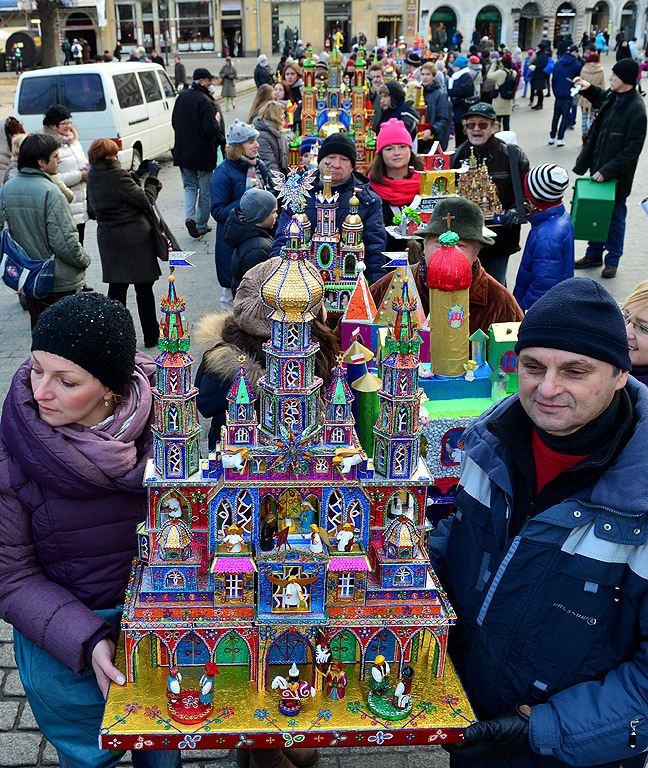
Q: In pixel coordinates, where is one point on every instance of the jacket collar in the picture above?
(609, 490)
(35, 172)
(549, 213)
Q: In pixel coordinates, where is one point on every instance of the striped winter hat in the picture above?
(547, 183)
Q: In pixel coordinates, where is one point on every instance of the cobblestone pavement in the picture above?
(21, 744)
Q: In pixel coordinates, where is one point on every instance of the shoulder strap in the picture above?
(517, 182)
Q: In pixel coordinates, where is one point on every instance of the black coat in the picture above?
(262, 75)
(197, 132)
(119, 204)
(462, 89)
(624, 133)
(180, 74)
(250, 245)
(539, 77)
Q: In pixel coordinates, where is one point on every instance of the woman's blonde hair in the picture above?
(274, 112)
(265, 93)
(16, 141)
(639, 295)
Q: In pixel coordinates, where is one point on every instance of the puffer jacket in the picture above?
(548, 256)
(70, 499)
(273, 145)
(556, 616)
(227, 189)
(73, 161)
(369, 210)
(565, 70)
(40, 221)
(250, 245)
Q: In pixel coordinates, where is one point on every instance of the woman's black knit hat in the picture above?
(93, 331)
(56, 114)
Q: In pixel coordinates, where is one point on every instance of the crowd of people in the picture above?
(542, 528)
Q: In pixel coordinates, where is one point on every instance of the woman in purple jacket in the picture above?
(74, 440)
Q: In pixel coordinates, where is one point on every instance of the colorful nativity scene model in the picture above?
(283, 593)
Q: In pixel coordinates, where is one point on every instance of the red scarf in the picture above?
(398, 191)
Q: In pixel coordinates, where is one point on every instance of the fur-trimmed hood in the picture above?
(50, 130)
(223, 342)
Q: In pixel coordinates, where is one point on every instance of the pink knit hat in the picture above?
(393, 132)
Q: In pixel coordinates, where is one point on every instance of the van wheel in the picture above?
(137, 158)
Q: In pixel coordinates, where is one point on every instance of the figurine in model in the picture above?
(380, 670)
(345, 538)
(174, 681)
(293, 691)
(268, 532)
(336, 680)
(402, 696)
(207, 684)
(234, 541)
(293, 596)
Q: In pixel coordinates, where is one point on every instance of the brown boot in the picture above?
(302, 757)
(265, 758)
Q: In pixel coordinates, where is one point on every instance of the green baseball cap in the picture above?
(467, 220)
(482, 108)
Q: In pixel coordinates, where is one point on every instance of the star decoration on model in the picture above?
(294, 188)
(294, 451)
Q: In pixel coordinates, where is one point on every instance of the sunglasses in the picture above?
(473, 125)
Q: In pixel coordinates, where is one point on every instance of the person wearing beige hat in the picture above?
(244, 331)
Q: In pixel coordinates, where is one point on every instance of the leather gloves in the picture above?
(154, 168)
(510, 219)
(501, 738)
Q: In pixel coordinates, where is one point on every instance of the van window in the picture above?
(169, 90)
(37, 94)
(128, 90)
(150, 85)
(83, 93)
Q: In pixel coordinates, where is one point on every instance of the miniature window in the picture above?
(380, 458)
(385, 417)
(175, 459)
(354, 515)
(233, 586)
(402, 419)
(174, 419)
(325, 254)
(335, 510)
(242, 413)
(338, 435)
(509, 362)
(402, 577)
(173, 381)
(400, 460)
(350, 261)
(292, 336)
(174, 580)
(321, 466)
(292, 373)
(402, 384)
(346, 585)
(244, 510)
(224, 517)
(241, 435)
(292, 413)
(272, 372)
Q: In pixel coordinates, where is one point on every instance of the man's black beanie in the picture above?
(338, 144)
(577, 315)
(627, 70)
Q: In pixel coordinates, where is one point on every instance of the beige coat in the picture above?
(497, 74)
(595, 75)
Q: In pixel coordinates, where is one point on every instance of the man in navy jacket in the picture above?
(546, 561)
(337, 157)
(565, 70)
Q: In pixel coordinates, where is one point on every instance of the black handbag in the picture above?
(163, 239)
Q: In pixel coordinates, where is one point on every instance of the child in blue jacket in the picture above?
(549, 251)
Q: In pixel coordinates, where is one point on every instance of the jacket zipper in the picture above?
(632, 741)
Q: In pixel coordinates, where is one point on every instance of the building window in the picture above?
(175, 459)
(241, 435)
(509, 362)
(292, 374)
(338, 435)
(126, 24)
(174, 419)
(346, 585)
(241, 415)
(195, 24)
(244, 508)
(174, 580)
(233, 586)
(292, 336)
(292, 415)
(402, 420)
(321, 466)
(173, 380)
(400, 460)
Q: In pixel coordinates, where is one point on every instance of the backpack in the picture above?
(507, 88)
(549, 68)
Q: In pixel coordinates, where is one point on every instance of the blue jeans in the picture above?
(614, 243)
(197, 196)
(562, 108)
(142, 758)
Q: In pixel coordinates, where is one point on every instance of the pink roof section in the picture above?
(233, 565)
(348, 564)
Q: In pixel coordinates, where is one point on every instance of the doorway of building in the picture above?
(286, 26)
(629, 20)
(530, 26)
(80, 26)
(600, 16)
(564, 24)
(489, 23)
(338, 16)
(443, 25)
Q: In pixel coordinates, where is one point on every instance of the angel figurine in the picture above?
(293, 595)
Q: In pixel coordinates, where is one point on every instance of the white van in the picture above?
(128, 102)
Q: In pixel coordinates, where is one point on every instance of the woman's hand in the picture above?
(104, 670)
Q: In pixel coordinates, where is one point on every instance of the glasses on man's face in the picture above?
(472, 126)
(637, 326)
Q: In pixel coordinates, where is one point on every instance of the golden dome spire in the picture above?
(295, 289)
